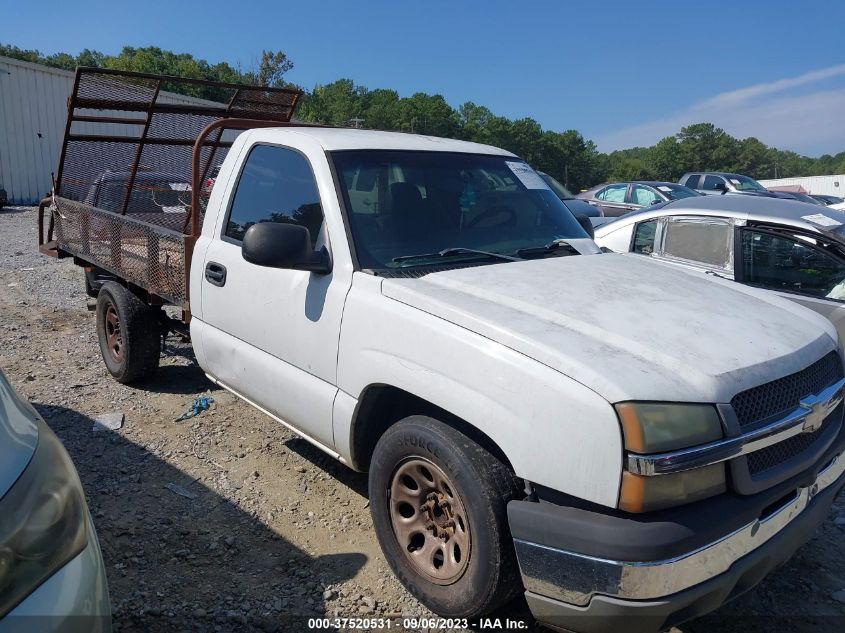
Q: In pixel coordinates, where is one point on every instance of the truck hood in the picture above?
(18, 435)
(626, 327)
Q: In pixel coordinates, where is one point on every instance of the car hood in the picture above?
(626, 327)
(18, 434)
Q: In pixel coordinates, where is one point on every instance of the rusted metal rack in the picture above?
(137, 160)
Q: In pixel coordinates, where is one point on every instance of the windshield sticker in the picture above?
(734, 181)
(180, 186)
(527, 176)
(664, 188)
(821, 219)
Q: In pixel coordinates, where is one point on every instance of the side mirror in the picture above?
(281, 245)
(586, 224)
(720, 186)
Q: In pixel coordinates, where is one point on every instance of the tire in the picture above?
(129, 332)
(478, 569)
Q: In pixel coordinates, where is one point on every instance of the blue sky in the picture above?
(622, 73)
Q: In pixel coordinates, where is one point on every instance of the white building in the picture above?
(33, 115)
(819, 185)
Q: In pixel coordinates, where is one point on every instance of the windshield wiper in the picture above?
(548, 248)
(451, 252)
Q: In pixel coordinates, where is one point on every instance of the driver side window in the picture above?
(644, 196)
(710, 182)
(791, 264)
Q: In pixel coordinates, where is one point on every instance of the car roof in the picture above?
(757, 209)
(656, 183)
(727, 174)
(336, 139)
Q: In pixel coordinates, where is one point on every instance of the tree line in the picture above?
(567, 155)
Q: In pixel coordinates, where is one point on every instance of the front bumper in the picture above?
(584, 589)
(75, 599)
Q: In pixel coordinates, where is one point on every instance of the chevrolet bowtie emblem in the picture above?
(818, 410)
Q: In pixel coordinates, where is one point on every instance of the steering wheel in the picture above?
(493, 212)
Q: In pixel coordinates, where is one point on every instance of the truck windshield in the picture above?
(403, 203)
(744, 183)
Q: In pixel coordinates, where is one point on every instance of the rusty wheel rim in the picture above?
(429, 521)
(114, 337)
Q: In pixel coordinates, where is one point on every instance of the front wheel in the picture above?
(438, 501)
(129, 332)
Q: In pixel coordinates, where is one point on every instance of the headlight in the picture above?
(660, 427)
(646, 494)
(656, 428)
(42, 521)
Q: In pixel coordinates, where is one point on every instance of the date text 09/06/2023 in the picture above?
(444, 624)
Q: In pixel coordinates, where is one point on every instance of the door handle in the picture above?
(215, 274)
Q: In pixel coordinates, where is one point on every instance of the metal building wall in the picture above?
(33, 110)
(33, 114)
(821, 185)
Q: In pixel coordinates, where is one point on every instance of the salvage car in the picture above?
(618, 198)
(52, 575)
(717, 182)
(795, 249)
(612, 437)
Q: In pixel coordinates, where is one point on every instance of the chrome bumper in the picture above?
(575, 578)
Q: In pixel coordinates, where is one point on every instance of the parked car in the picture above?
(574, 204)
(614, 437)
(617, 198)
(50, 560)
(793, 248)
(158, 198)
(828, 200)
(716, 183)
(802, 197)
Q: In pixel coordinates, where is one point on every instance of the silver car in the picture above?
(52, 576)
(792, 248)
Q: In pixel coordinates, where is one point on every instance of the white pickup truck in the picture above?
(612, 437)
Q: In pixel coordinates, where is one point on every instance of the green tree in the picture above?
(272, 69)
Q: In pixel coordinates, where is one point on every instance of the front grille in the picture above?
(781, 396)
(776, 454)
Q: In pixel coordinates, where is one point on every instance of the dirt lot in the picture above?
(274, 530)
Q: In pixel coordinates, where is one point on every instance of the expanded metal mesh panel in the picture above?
(782, 452)
(116, 91)
(131, 138)
(151, 256)
(252, 102)
(85, 162)
(783, 395)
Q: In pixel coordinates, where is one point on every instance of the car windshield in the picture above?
(562, 192)
(405, 203)
(744, 183)
(676, 192)
(805, 198)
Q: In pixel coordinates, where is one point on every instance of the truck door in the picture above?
(271, 334)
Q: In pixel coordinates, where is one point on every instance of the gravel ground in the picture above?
(274, 531)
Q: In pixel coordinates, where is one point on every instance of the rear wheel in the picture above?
(129, 332)
(438, 501)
